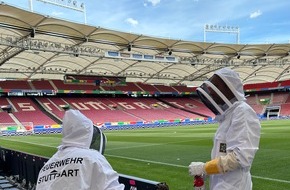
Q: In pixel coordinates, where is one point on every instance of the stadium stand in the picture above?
(279, 98)
(163, 88)
(285, 107)
(285, 110)
(285, 83)
(287, 101)
(97, 111)
(201, 108)
(182, 88)
(101, 109)
(262, 85)
(53, 105)
(27, 111)
(4, 101)
(104, 108)
(62, 85)
(5, 118)
(147, 87)
(191, 104)
(259, 109)
(129, 87)
(251, 99)
(14, 84)
(254, 101)
(42, 85)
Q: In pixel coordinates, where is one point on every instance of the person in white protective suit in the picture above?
(79, 164)
(237, 138)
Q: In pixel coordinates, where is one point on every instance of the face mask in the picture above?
(210, 93)
(99, 140)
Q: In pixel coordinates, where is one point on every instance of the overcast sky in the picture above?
(260, 21)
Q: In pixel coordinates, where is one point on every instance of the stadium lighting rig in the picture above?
(69, 4)
(221, 29)
(33, 45)
(36, 45)
(46, 46)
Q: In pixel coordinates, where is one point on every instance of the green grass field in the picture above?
(163, 154)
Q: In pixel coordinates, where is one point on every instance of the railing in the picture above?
(23, 169)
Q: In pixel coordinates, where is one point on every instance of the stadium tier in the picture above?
(287, 99)
(14, 84)
(147, 87)
(42, 84)
(194, 105)
(63, 85)
(165, 103)
(25, 110)
(95, 84)
(5, 118)
(39, 110)
(182, 88)
(262, 85)
(129, 86)
(53, 105)
(279, 98)
(285, 83)
(163, 88)
(42, 110)
(285, 109)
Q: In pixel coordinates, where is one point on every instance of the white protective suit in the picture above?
(236, 141)
(74, 165)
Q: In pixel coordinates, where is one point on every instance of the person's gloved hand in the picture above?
(196, 168)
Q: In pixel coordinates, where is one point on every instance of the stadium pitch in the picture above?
(163, 154)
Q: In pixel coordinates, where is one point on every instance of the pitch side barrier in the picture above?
(39, 130)
(21, 169)
(155, 125)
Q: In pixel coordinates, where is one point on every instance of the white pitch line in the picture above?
(29, 142)
(147, 161)
(181, 166)
(128, 147)
(271, 179)
(138, 146)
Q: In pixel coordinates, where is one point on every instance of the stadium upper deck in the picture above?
(34, 46)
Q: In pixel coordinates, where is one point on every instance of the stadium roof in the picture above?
(34, 46)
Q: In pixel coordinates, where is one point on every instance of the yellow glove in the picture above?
(222, 164)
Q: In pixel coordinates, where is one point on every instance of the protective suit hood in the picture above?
(221, 91)
(77, 130)
(233, 80)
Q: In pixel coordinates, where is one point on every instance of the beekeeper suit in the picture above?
(78, 163)
(237, 137)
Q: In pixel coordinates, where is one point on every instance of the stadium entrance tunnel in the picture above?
(271, 112)
(20, 170)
